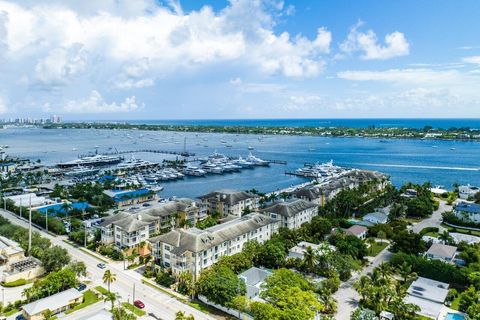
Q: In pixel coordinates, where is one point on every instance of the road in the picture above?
(346, 296)
(435, 220)
(158, 305)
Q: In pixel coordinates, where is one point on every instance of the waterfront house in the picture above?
(194, 250)
(439, 251)
(469, 212)
(376, 218)
(293, 213)
(429, 295)
(56, 303)
(229, 202)
(254, 278)
(129, 229)
(123, 198)
(357, 231)
(467, 192)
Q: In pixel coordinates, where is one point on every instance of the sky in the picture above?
(147, 59)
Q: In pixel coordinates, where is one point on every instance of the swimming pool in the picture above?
(454, 316)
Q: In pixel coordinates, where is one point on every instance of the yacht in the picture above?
(257, 161)
(135, 164)
(250, 148)
(82, 171)
(212, 168)
(91, 161)
(194, 171)
(243, 163)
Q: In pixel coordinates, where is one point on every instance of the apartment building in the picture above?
(229, 202)
(292, 214)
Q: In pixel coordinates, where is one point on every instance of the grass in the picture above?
(11, 312)
(102, 290)
(432, 234)
(89, 297)
(135, 310)
(16, 283)
(461, 230)
(376, 248)
(455, 303)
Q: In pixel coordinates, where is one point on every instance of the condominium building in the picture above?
(194, 250)
(292, 214)
(229, 202)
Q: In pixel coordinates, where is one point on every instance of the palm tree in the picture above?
(309, 260)
(121, 314)
(110, 297)
(384, 270)
(405, 271)
(445, 237)
(371, 242)
(108, 278)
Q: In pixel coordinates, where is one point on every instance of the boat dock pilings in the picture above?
(277, 161)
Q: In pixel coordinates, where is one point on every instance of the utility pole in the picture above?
(85, 232)
(133, 292)
(46, 221)
(30, 227)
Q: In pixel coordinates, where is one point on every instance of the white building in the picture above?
(357, 231)
(466, 211)
(299, 250)
(129, 229)
(376, 218)
(439, 251)
(292, 214)
(194, 249)
(429, 295)
(229, 202)
(468, 191)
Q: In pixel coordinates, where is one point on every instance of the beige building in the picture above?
(229, 202)
(194, 250)
(13, 263)
(293, 213)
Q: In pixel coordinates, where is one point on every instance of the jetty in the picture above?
(117, 152)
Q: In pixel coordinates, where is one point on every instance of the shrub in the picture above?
(16, 283)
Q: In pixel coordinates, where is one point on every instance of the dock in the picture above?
(178, 153)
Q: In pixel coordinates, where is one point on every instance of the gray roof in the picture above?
(132, 222)
(228, 196)
(101, 315)
(196, 240)
(289, 208)
(377, 216)
(253, 278)
(356, 230)
(52, 302)
(428, 294)
(442, 250)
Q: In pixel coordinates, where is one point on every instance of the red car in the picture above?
(139, 304)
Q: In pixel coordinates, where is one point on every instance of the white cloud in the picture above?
(134, 75)
(396, 44)
(472, 59)
(61, 65)
(3, 105)
(96, 104)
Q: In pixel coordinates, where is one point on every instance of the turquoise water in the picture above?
(454, 316)
(404, 160)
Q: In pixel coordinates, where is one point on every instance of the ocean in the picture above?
(440, 162)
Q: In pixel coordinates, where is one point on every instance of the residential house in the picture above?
(124, 198)
(298, 251)
(357, 231)
(254, 278)
(466, 211)
(439, 251)
(229, 202)
(194, 250)
(429, 295)
(376, 218)
(292, 213)
(467, 192)
(56, 303)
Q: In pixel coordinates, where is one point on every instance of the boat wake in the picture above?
(419, 166)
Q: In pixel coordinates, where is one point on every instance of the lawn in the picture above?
(460, 230)
(376, 248)
(455, 303)
(102, 290)
(16, 283)
(11, 312)
(88, 298)
(432, 234)
(135, 310)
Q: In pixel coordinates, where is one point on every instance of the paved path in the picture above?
(347, 298)
(157, 303)
(435, 220)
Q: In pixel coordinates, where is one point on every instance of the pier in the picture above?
(178, 153)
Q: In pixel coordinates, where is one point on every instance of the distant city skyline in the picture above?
(239, 59)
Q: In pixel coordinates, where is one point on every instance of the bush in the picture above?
(16, 283)
(428, 230)
(164, 279)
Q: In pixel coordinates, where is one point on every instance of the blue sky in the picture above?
(147, 59)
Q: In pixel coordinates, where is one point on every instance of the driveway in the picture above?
(435, 220)
(346, 296)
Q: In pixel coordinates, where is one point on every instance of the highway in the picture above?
(158, 305)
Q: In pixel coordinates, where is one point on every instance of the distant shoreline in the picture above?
(427, 133)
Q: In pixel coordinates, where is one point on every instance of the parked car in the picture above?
(139, 304)
(20, 317)
(146, 205)
(102, 265)
(81, 287)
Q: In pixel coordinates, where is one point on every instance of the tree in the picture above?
(408, 242)
(382, 236)
(363, 314)
(220, 285)
(272, 254)
(47, 314)
(445, 237)
(349, 244)
(108, 278)
(309, 260)
(467, 298)
(110, 297)
(54, 258)
(122, 314)
(180, 315)
(79, 268)
(406, 272)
